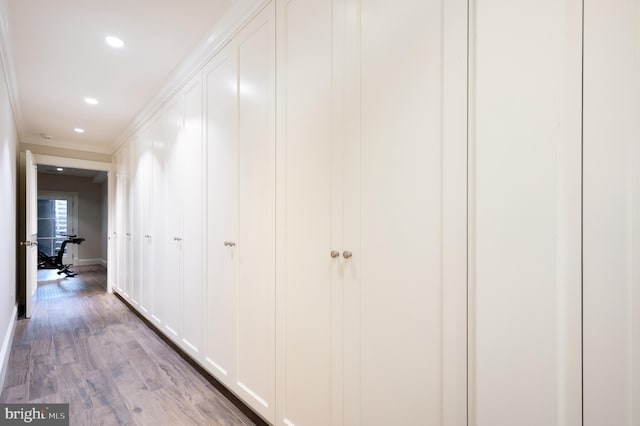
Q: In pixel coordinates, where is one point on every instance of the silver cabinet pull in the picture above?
(147, 236)
(177, 239)
(28, 243)
(229, 243)
(334, 253)
(347, 254)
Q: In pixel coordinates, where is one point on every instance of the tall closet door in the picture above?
(400, 256)
(120, 230)
(611, 243)
(128, 218)
(525, 214)
(174, 199)
(192, 207)
(255, 306)
(159, 238)
(308, 274)
(220, 79)
(137, 191)
(145, 185)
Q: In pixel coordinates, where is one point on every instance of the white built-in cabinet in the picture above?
(364, 212)
(160, 237)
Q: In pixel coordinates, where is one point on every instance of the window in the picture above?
(53, 225)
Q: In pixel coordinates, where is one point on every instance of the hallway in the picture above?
(84, 347)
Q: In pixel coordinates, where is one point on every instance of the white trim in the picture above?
(5, 351)
(72, 162)
(239, 15)
(95, 147)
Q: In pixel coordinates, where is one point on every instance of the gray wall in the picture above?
(92, 212)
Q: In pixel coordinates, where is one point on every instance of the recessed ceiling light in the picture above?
(59, 169)
(114, 42)
(78, 130)
(91, 101)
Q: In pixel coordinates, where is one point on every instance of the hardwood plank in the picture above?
(143, 405)
(43, 380)
(18, 366)
(105, 397)
(64, 347)
(214, 410)
(15, 394)
(73, 386)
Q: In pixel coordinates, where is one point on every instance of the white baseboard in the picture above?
(84, 262)
(5, 350)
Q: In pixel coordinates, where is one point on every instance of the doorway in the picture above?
(87, 212)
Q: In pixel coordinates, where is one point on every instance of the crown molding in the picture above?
(9, 73)
(240, 13)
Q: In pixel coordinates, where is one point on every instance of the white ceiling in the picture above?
(60, 57)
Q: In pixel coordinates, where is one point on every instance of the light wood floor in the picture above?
(82, 346)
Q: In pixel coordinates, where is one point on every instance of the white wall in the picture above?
(8, 201)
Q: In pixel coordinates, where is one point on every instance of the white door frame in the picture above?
(100, 166)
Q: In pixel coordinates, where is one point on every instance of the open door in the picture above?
(31, 238)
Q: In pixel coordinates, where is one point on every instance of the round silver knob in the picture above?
(347, 254)
(334, 253)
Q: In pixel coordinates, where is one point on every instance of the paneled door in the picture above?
(240, 105)
(174, 194)
(405, 213)
(192, 259)
(525, 214)
(308, 379)
(611, 228)
(158, 231)
(31, 237)
(220, 79)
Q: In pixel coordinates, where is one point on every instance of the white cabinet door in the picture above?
(136, 198)
(119, 227)
(255, 306)
(240, 311)
(145, 184)
(397, 265)
(174, 199)
(524, 278)
(611, 286)
(157, 218)
(128, 219)
(309, 277)
(220, 79)
(193, 209)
